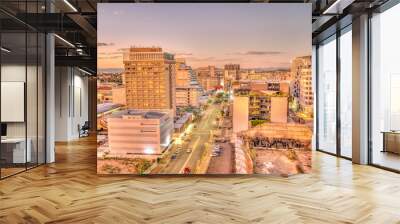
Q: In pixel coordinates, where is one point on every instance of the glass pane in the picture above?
(346, 94)
(13, 85)
(385, 84)
(327, 96)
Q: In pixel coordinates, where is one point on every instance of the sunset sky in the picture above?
(253, 35)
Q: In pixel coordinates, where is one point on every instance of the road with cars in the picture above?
(193, 145)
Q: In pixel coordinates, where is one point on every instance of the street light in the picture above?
(149, 151)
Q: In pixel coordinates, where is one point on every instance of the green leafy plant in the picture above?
(292, 155)
(108, 168)
(257, 122)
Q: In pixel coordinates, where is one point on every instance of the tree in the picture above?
(141, 165)
(219, 95)
(257, 122)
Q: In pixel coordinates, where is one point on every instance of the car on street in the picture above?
(217, 149)
(187, 170)
(188, 150)
(214, 154)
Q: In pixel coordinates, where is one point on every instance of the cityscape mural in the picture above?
(204, 89)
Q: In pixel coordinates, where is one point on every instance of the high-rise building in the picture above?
(231, 73)
(149, 78)
(301, 87)
(209, 77)
(240, 116)
(188, 91)
(182, 76)
(279, 109)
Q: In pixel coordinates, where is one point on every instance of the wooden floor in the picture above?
(69, 191)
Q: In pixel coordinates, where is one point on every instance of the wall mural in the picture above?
(204, 89)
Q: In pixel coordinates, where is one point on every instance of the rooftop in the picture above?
(182, 120)
(145, 49)
(104, 107)
(139, 113)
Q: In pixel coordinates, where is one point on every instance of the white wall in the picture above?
(71, 102)
(16, 73)
(33, 126)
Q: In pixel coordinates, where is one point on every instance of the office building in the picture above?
(301, 86)
(148, 132)
(279, 109)
(208, 77)
(267, 105)
(231, 73)
(187, 97)
(240, 118)
(187, 89)
(259, 103)
(119, 95)
(104, 93)
(263, 85)
(149, 78)
(277, 75)
(183, 76)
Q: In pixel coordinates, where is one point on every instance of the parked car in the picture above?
(214, 154)
(217, 149)
(188, 150)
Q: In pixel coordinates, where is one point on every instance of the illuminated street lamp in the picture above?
(149, 150)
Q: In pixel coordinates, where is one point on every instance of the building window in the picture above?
(385, 89)
(346, 92)
(327, 95)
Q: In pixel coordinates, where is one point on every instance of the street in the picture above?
(198, 141)
(222, 164)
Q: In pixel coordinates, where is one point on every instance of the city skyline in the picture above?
(185, 31)
(204, 89)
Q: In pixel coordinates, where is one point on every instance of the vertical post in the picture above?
(50, 92)
(50, 98)
(338, 74)
(316, 92)
(360, 89)
(92, 102)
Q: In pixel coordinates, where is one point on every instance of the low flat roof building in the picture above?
(139, 133)
(182, 122)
